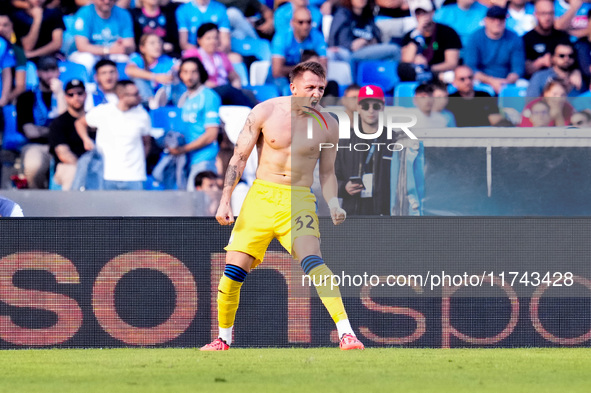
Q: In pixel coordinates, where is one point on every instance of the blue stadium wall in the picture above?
(113, 282)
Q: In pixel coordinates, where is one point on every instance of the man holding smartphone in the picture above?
(364, 176)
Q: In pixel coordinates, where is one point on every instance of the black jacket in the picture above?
(352, 163)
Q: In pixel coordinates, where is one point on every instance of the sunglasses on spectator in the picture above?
(76, 93)
(304, 22)
(579, 123)
(564, 55)
(377, 106)
(466, 78)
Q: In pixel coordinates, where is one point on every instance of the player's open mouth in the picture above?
(313, 103)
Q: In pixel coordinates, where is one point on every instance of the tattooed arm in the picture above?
(246, 142)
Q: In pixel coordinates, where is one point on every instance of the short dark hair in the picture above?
(312, 66)
(203, 75)
(204, 175)
(563, 43)
(206, 27)
(424, 88)
(438, 85)
(352, 86)
(307, 54)
(121, 85)
(104, 62)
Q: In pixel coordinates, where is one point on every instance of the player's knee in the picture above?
(311, 262)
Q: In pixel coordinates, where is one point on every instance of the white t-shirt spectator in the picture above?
(119, 140)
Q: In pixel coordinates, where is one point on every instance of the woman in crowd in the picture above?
(223, 79)
(560, 110)
(150, 69)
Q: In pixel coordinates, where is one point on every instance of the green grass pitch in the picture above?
(296, 370)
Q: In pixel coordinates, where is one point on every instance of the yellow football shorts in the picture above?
(272, 210)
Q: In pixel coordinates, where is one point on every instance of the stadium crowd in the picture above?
(144, 82)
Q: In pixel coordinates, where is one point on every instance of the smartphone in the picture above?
(356, 180)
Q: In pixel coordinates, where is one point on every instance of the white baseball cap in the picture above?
(425, 5)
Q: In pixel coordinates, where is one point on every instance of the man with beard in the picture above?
(65, 144)
(563, 67)
(541, 41)
(200, 107)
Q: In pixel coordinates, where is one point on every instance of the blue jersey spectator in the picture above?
(150, 69)
(288, 45)
(284, 13)
(193, 14)
(572, 17)
(200, 113)
(465, 17)
(496, 54)
(102, 29)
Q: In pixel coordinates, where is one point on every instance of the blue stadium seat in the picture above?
(12, 139)
(404, 92)
(70, 70)
(167, 118)
(257, 47)
(512, 97)
(264, 92)
(32, 80)
(240, 69)
(381, 73)
(121, 68)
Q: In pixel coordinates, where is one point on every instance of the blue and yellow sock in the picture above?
(229, 295)
(315, 267)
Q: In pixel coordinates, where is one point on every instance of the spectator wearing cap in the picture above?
(122, 138)
(354, 35)
(564, 67)
(65, 145)
(364, 176)
(40, 30)
(193, 14)
(19, 69)
(471, 108)
(102, 29)
(495, 53)
(288, 45)
(9, 208)
(539, 43)
(571, 16)
(36, 110)
(465, 17)
(429, 48)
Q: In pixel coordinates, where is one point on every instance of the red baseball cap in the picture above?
(371, 92)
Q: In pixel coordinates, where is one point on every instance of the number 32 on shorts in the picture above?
(306, 221)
